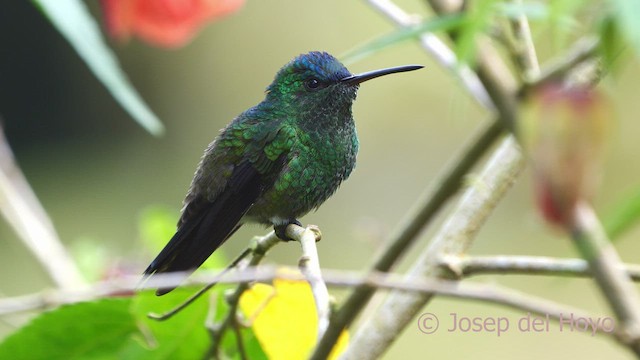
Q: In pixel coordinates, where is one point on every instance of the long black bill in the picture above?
(360, 78)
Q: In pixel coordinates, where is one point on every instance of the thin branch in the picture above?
(437, 49)
(239, 342)
(259, 248)
(454, 237)
(167, 315)
(465, 266)
(606, 266)
(459, 266)
(230, 321)
(309, 265)
(583, 50)
(493, 73)
(498, 80)
(25, 214)
(523, 47)
(489, 293)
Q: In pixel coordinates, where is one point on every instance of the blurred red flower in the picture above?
(165, 23)
(563, 129)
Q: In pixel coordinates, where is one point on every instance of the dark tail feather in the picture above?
(206, 225)
(195, 241)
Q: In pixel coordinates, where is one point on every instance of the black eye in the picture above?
(312, 84)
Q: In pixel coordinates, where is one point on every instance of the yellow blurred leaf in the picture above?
(284, 319)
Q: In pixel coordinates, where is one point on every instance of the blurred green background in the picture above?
(95, 170)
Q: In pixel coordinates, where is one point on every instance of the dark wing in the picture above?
(210, 225)
(206, 224)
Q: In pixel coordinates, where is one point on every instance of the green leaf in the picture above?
(477, 19)
(623, 217)
(73, 21)
(562, 19)
(443, 23)
(183, 336)
(118, 328)
(92, 330)
(611, 43)
(626, 13)
(532, 10)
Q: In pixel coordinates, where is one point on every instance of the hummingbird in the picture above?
(274, 162)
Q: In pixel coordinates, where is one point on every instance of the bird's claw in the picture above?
(281, 230)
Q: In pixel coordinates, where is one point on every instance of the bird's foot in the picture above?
(282, 229)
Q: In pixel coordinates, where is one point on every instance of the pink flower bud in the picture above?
(563, 130)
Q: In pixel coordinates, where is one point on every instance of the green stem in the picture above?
(608, 272)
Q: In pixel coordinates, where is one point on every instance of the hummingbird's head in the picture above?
(316, 86)
(312, 81)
